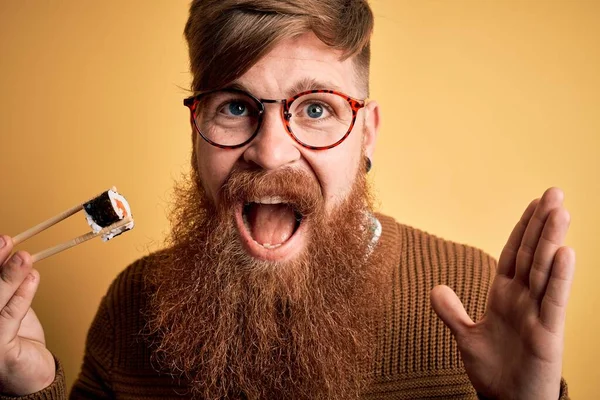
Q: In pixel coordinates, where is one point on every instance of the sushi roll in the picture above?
(106, 209)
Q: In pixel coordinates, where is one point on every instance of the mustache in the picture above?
(292, 186)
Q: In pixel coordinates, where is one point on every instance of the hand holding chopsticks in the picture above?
(29, 365)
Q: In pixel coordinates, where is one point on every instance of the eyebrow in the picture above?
(302, 85)
(311, 84)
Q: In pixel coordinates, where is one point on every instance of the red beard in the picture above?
(237, 327)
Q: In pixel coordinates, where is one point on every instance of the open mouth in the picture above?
(270, 226)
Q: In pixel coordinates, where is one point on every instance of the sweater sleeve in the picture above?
(564, 392)
(94, 381)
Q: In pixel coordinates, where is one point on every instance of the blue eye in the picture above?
(237, 109)
(314, 110)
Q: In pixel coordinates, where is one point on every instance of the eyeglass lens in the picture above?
(231, 118)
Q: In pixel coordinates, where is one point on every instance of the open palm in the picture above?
(515, 350)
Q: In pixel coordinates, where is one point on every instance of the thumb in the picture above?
(449, 308)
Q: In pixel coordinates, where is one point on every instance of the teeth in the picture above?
(270, 246)
(268, 200)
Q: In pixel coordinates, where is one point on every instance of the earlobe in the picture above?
(371, 130)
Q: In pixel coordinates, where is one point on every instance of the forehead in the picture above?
(300, 63)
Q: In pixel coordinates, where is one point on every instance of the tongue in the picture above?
(271, 223)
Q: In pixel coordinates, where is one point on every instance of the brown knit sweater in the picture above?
(418, 357)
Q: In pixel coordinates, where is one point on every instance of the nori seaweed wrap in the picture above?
(101, 210)
(106, 209)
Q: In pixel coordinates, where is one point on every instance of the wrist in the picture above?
(19, 383)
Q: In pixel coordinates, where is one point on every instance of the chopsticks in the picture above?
(78, 240)
(23, 236)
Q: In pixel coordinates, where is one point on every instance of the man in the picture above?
(279, 281)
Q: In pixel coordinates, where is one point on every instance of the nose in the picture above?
(272, 148)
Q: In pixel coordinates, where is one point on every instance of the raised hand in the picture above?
(26, 366)
(515, 351)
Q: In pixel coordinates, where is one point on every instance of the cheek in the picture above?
(336, 169)
(214, 166)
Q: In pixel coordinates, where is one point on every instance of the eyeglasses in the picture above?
(316, 119)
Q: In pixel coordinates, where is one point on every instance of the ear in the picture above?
(372, 123)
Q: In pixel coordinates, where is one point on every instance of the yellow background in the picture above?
(485, 104)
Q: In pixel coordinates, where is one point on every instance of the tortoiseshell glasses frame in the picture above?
(355, 105)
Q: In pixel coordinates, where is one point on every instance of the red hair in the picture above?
(227, 37)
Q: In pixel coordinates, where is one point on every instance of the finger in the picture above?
(15, 310)
(12, 274)
(551, 199)
(508, 257)
(6, 246)
(554, 302)
(552, 239)
(449, 308)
